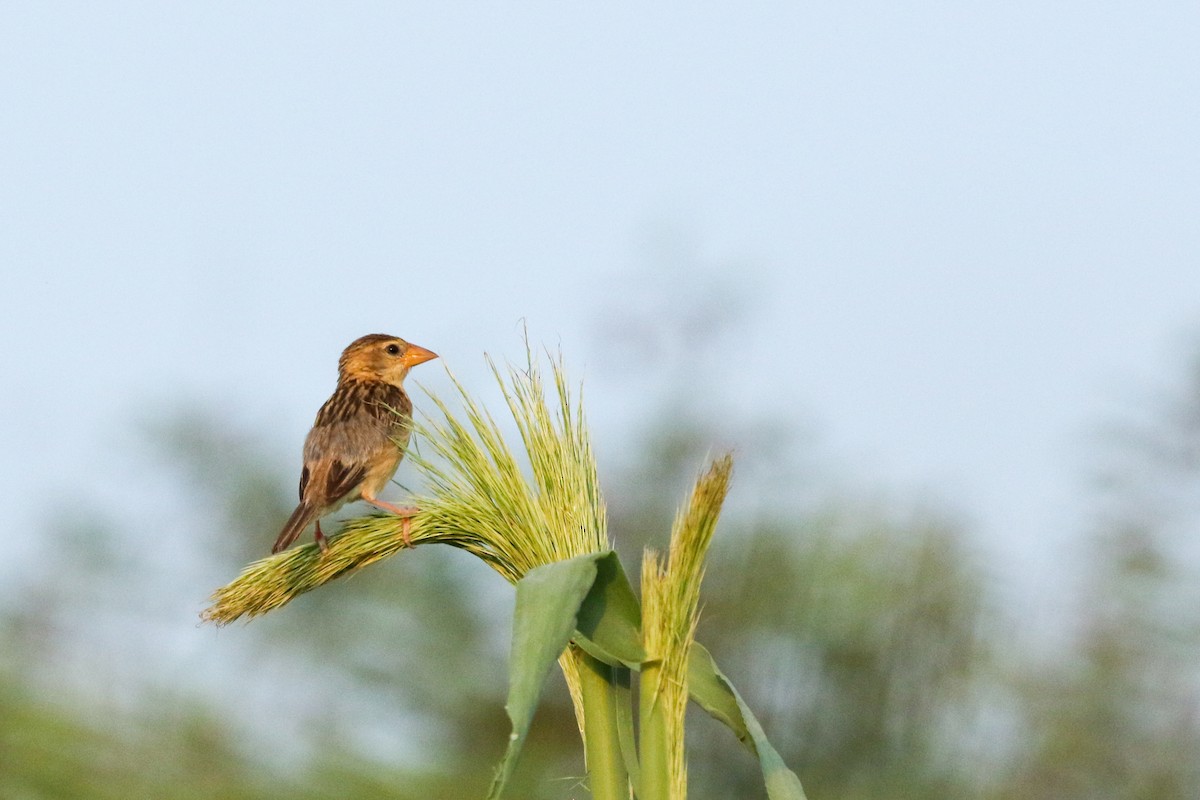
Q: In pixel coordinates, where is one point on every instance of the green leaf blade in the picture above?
(548, 600)
(713, 692)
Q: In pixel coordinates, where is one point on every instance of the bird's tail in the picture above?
(295, 525)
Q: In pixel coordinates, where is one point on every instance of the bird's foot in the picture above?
(322, 540)
(406, 513)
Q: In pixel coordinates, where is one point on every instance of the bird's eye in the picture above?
(393, 349)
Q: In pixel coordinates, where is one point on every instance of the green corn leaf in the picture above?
(610, 618)
(624, 701)
(552, 602)
(714, 693)
(548, 600)
(710, 692)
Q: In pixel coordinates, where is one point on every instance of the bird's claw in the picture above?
(406, 513)
(405, 526)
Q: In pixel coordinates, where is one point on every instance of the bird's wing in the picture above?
(341, 479)
(336, 459)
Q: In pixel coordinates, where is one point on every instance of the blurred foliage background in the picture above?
(866, 630)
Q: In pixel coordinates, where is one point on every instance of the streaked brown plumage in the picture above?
(359, 435)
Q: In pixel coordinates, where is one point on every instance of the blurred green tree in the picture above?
(1118, 714)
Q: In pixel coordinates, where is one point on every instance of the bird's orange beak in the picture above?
(415, 354)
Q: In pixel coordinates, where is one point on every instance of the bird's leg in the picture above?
(404, 512)
(322, 541)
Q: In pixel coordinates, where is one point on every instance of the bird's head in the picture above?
(379, 357)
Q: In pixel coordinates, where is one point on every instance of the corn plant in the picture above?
(540, 522)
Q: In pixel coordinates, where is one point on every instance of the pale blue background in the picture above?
(959, 236)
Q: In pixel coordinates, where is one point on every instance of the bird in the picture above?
(359, 436)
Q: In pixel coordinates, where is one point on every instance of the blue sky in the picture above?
(957, 235)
